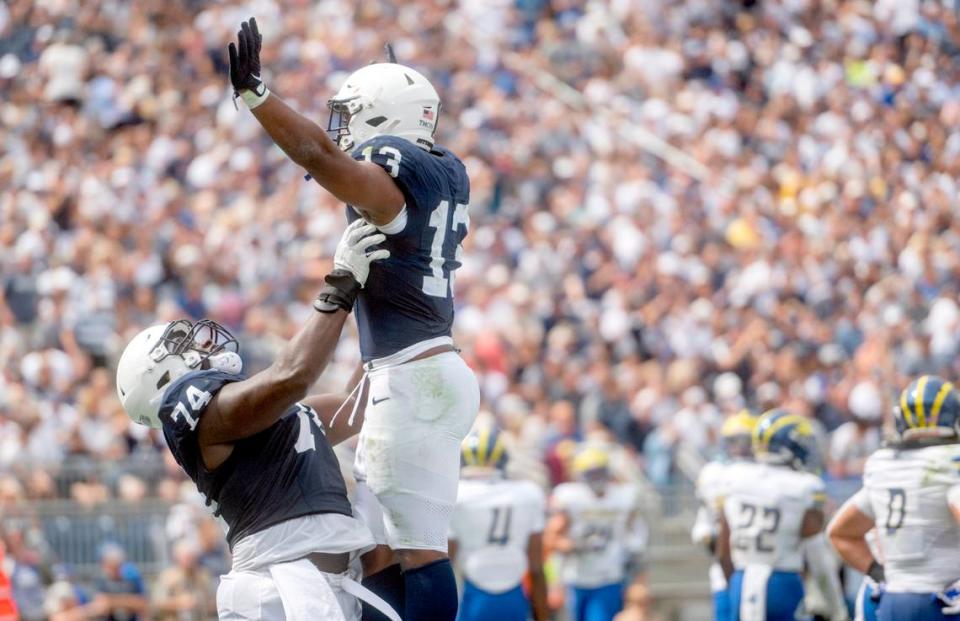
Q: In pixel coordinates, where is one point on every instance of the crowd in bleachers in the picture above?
(604, 292)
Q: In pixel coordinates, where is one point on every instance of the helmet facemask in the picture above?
(203, 345)
(596, 479)
(338, 124)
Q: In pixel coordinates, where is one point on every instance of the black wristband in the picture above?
(875, 571)
(340, 292)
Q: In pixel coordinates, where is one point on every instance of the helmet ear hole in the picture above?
(164, 380)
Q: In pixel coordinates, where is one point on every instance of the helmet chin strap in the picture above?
(227, 362)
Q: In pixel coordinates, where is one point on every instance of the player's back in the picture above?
(599, 525)
(286, 471)
(408, 299)
(918, 534)
(712, 484)
(492, 524)
(713, 481)
(764, 506)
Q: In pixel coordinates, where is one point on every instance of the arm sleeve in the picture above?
(704, 526)
(538, 506)
(817, 494)
(861, 500)
(559, 500)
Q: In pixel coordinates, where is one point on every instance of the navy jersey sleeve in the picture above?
(184, 403)
(412, 168)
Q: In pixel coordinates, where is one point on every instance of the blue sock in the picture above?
(431, 592)
(388, 584)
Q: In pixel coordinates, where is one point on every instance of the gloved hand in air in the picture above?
(245, 65)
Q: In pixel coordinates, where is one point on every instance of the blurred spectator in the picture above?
(185, 591)
(637, 604)
(26, 571)
(65, 599)
(855, 440)
(120, 592)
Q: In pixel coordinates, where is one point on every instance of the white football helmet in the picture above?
(159, 355)
(384, 99)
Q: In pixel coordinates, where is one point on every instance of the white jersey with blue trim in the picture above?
(712, 484)
(492, 524)
(908, 494)
(764, 506)
(600, 527)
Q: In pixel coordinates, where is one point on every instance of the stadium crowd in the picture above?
(810, 259)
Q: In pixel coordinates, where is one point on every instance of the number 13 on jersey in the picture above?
(439, 283)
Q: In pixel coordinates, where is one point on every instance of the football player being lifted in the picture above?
(771, 526)
(911, 494)
(260, 449)
(380, 158)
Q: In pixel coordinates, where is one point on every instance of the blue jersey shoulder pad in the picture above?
(414, 170)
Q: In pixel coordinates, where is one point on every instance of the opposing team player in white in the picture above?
(260, 449)
(496, 536)
(596, 529)
(380, 158)
(736, 440)
(911, 494)
(771, 525)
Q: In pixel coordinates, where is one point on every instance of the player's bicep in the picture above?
(242, 409)
(367, 186)
(335, 412)
(850, 521)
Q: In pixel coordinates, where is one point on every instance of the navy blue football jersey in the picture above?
(286, 471)
(408, 298)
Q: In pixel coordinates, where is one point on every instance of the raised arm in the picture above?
(366, 186)
(242, 409)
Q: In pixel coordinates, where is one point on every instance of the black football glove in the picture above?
(245, 65)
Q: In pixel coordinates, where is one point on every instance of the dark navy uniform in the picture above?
(408, 298)
(286, 471)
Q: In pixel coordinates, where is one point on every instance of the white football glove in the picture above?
(353, 250)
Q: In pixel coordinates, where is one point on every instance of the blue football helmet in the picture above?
(784, 438)
(929, 408)
(484, 448)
